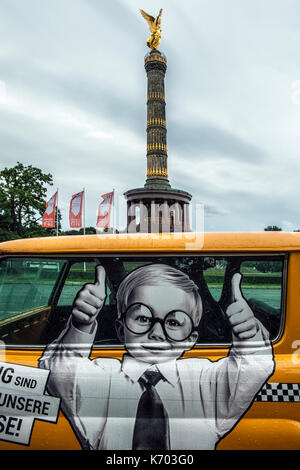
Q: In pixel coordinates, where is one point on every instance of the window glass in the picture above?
(26, 284)
(37, 294)
(262, 282)
(26, 288)
(80, 273)
(214, 273)
(262, 287)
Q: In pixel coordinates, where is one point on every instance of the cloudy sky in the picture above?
(73, 102)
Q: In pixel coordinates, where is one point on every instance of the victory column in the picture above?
(161, 208)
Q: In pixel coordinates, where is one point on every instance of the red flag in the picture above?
(75, 213)
(104, 210)
(48, 220)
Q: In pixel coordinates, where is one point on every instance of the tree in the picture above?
(110, 230)
(272, 228)
(5, 219)
(22, 201)
(267, 266)
(88, 231)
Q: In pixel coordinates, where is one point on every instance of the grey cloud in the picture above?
(81, 91)
(199, 184)
(214, 210)
(118, 14)
(203, 139)
(54, 149)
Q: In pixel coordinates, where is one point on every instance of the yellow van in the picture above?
(40, 278)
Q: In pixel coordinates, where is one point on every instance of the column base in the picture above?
(157, 182)
(161, 210)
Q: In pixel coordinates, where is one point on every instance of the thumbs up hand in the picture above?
(239, 313)
(89, 301)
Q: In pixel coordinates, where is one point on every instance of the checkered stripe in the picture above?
(280, 392)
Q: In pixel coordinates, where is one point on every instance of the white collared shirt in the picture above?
(204, 399)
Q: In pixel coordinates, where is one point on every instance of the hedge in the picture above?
(248, 279)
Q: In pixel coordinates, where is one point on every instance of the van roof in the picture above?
(166, 242)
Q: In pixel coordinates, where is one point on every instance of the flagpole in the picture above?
(84, 263)
(113, 210)
(57, 212)
(83, 211)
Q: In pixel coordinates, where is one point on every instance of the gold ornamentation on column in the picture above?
(156, 95)
(156, 57)
(156, 121)
(157, 172)
(157, 146)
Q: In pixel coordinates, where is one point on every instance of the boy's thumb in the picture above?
(100, 277)
(236, 292)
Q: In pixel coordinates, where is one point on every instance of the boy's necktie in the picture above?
(151, 431)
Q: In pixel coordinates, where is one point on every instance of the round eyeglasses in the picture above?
(177, 325)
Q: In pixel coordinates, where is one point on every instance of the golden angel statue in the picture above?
(154, 26)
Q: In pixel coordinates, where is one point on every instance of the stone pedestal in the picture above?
(152, 210)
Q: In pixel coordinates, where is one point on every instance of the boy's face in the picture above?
(154, 346)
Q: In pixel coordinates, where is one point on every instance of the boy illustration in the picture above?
(154, 398)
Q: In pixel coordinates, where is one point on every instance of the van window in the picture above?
(26, 284)
(79, 273)
(26, 288)
(214, 273)
(262, 288)
(37, 294)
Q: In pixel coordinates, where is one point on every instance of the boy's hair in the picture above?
(157, 275)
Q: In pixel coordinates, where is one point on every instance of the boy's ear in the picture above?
(120, 330)
(192, 339)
